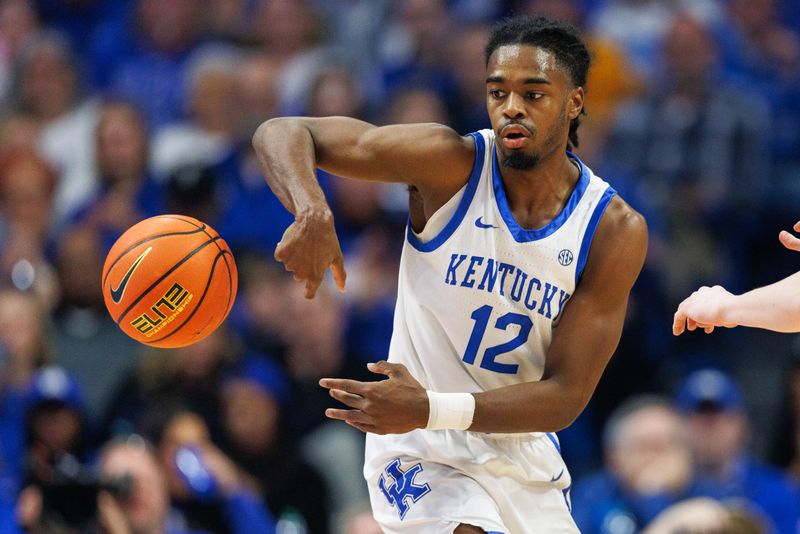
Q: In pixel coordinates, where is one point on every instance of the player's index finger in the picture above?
(345, 384)
(679, 320)
(339, 274)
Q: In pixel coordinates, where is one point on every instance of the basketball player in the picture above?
(513, 286)
(773, 307)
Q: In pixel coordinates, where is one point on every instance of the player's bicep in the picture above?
(425, 155)
(591, 325)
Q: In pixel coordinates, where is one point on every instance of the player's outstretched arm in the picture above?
(582, 344)
(433, 158)
(773, 307)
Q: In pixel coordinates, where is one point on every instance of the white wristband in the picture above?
(450, 410)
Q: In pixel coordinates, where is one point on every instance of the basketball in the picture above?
(169, 281)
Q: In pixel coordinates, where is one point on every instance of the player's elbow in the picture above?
(271, 128)
(569, 407)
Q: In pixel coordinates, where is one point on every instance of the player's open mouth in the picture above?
(514, 136)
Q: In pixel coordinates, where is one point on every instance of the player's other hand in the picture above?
(396, 405)
(703, 309)
(308, 247)
(789, 240)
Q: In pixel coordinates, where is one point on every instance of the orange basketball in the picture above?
(169, 281)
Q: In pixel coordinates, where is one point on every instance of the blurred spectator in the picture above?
(761, 48)
(353, 27)
(57, 450)
(213, 111)
(19, 132)
(146, 509)
(210, 492)
(372, 290)
(84, 336)
(648, 468)
(335, 91)
(226, 20)
(126, 193)
(188, 377)
(51, 90)
(414, 47)
(765, 45)
(18, 21)
(702, 516)
(698, 146)
(467, 53)
(26, 200)
(313, 353)
(144, 59)
(260, 313)
(254, 396)
(786, 442)
(639, 26)
(24, 348)
(291, 32)
(257, 91)
(718, 434)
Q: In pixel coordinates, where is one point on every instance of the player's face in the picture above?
(531, 101)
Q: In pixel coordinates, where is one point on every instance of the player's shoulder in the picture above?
(620, 217)
(621, 233)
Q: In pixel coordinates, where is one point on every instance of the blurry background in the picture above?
(116, 110)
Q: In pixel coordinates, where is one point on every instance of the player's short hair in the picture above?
(555, 36)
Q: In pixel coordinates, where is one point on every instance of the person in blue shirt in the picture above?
(147, 509)
(718, 429)
(648, 468)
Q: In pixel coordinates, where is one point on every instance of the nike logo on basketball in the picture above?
(480, 224)
(116, 294)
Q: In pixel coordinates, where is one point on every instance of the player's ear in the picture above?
(575, 104)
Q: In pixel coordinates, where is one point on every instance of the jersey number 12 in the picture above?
(481, 317)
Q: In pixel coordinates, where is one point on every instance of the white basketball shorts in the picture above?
(430, 481)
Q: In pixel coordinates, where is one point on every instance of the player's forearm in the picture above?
(285, 148)
(544, 406)
(773, 307)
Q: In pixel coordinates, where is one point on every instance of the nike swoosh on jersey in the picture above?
(480, 224)
(557, 477)
(116, 294)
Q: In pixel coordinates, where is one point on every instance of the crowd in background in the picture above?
(115, 110)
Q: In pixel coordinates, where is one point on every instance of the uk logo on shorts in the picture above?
(402, 486)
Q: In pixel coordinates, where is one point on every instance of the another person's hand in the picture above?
(790, 241)
(396, 405)
(703, 309)
(308, 247)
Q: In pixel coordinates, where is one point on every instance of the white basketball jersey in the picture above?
(479, 296)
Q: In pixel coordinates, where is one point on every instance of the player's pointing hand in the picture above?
(309, 246)
(396, 405)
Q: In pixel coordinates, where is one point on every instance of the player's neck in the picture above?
(538, 195)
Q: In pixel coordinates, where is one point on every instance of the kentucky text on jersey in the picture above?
(487, 274)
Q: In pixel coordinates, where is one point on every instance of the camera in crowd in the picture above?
(69, 497)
